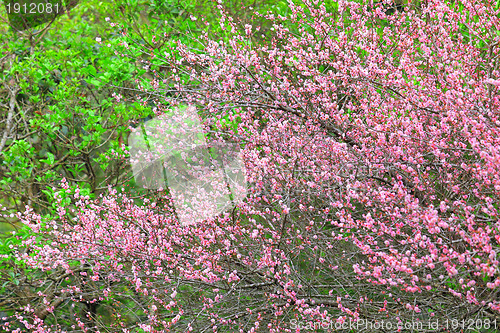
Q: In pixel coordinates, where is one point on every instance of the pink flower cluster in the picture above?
(372, 145)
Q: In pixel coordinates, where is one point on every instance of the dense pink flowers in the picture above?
(373, 157)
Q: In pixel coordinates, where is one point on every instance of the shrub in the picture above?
(371, 141)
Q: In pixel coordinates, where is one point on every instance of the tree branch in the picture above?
(10, 116)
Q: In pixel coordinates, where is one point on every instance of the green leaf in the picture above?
(94, 82)
(50, 159)
(91, 70)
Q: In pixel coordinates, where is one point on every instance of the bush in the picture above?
(371, 143)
